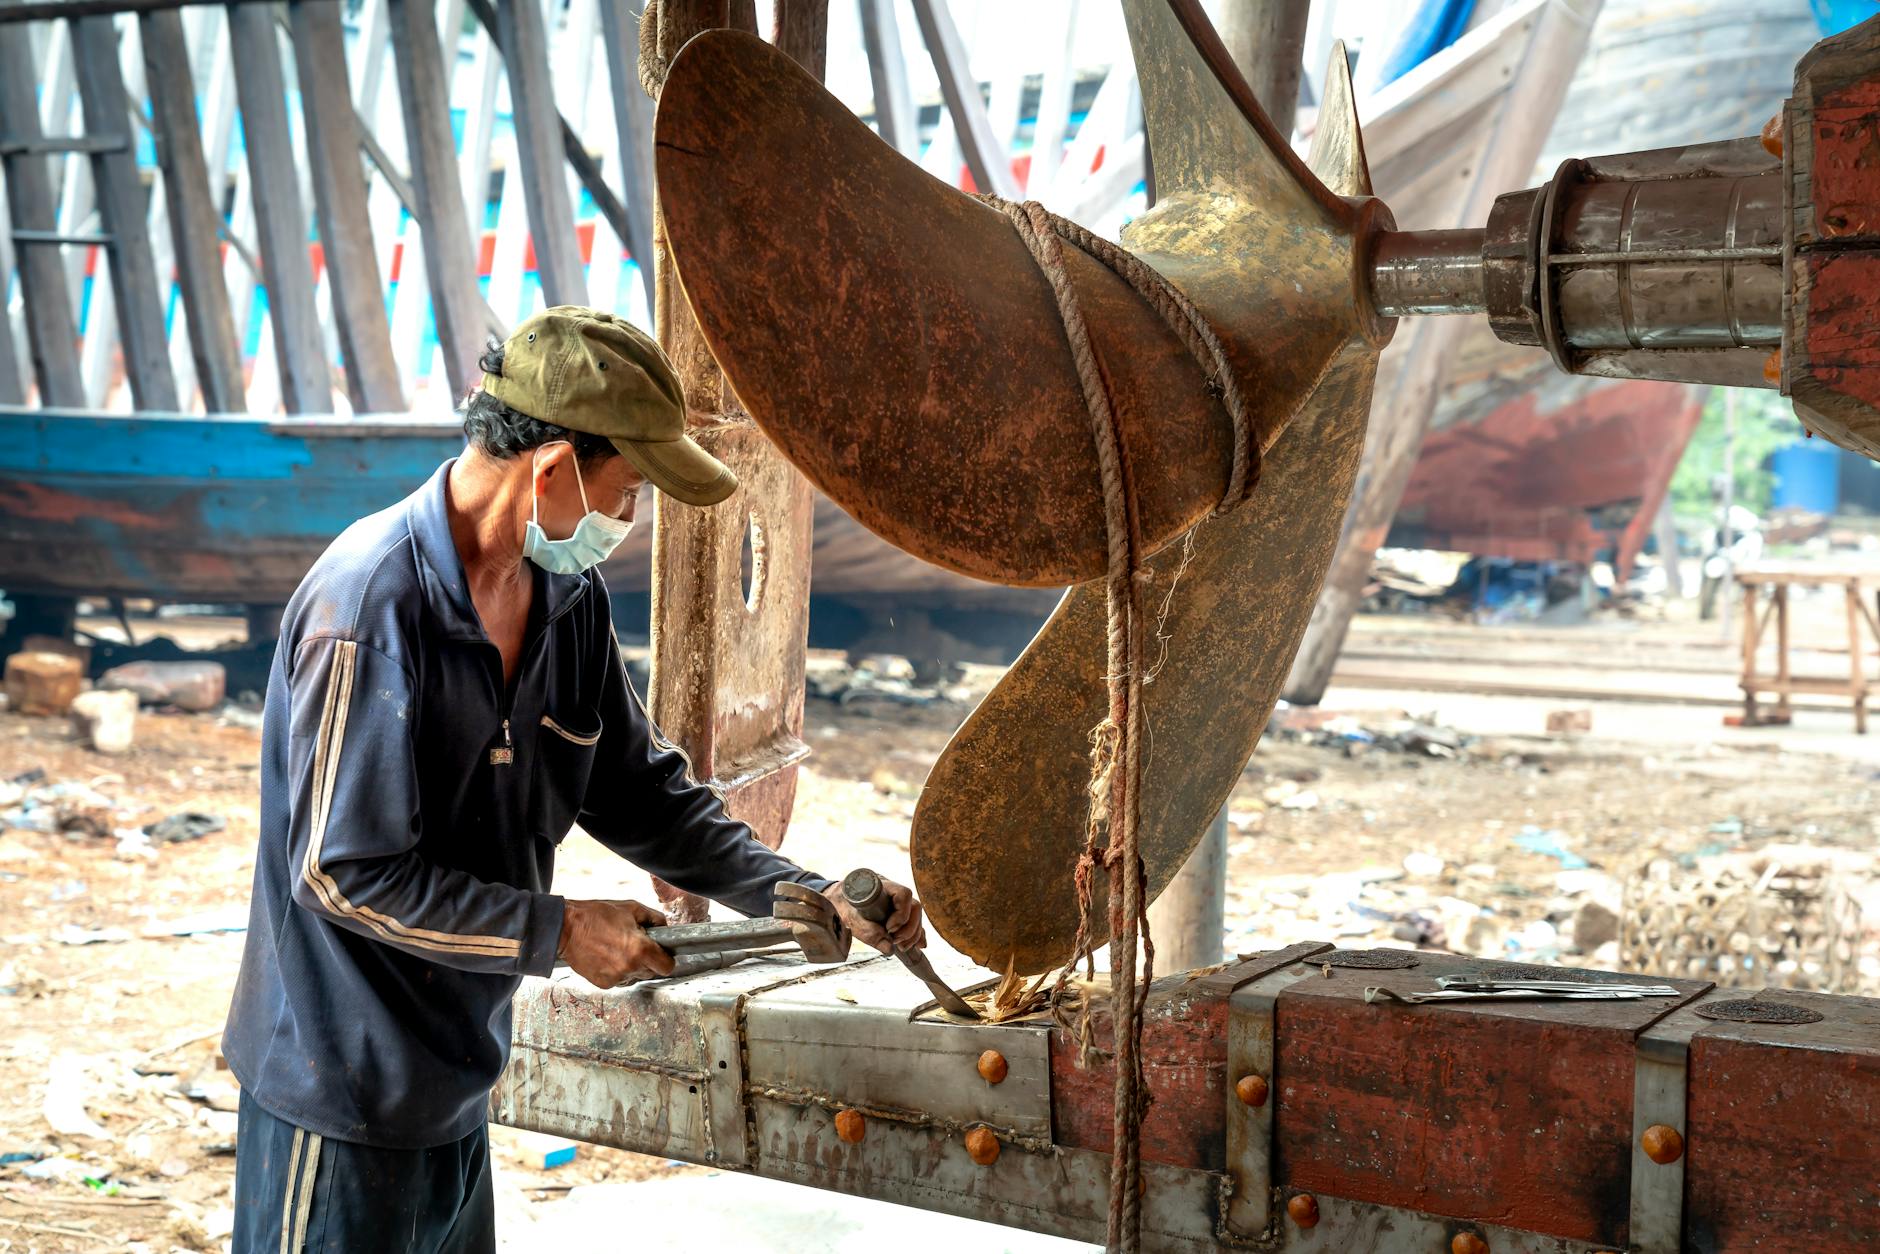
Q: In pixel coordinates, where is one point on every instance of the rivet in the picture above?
(992, 1067)
(851, 1127)
(1251, 1089)
(1304, 1209)
(1772, 367)
(1772, 135)
(982, 1146)
(1662, 1144)
(1467, 1243)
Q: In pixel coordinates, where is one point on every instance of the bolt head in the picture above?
(1662, 1144)
(992, 1066)
(1467, 1243)
(1251, 1089)
(1304, 1209)
(982, 1146)
(1772, 136)
(851, 1127)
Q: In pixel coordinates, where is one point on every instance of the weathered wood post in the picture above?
(730, 613)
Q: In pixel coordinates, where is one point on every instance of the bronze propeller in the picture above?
(895, 340)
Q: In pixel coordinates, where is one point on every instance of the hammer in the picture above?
(866, 894)
(800, 916)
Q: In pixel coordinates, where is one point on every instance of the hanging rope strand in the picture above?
(1113, 830)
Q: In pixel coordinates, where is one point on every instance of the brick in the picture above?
(42, 683)
(194, 686)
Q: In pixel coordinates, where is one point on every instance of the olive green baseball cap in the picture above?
(589, 371)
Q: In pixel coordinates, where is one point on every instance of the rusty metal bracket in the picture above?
(1659, 1089)
(1246, 1197)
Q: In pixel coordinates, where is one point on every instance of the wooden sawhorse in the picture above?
(1863, 609)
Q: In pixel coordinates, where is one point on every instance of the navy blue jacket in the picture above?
(410, 812)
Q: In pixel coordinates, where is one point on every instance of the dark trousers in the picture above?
(296, 1190)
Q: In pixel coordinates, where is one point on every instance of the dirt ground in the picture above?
(108, 1008)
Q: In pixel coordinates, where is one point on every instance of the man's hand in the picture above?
(905, 928)
(606, 942)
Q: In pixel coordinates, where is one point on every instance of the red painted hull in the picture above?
(1530, 465)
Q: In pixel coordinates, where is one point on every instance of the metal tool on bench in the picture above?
(1472, 988)
(802, 920)
(865, 892)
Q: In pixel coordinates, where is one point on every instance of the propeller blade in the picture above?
(1337, 154)
(1000, 822)
(893, 337)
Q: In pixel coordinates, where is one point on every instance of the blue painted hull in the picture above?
(225, 508)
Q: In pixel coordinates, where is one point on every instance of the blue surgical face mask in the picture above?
(595, 537)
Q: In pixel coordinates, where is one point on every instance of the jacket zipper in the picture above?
(507, 754)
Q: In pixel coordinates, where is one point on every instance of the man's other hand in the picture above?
(606, 942)
(906, 929)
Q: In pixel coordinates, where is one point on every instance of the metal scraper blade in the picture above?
(1001, 820)
(893, 337)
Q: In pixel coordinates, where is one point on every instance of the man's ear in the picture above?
(549, 462)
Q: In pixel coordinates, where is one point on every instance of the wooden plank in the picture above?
(1855, 650)
(339, 186)
(524, 43)
(212, 356)
(1105, 123)
(633, 122)
(16, 11)
(125, 209)
(13, 367)
(580, 160)
(986, 157)
(280, 217)
(1055, 93)
(52, 331)
(895, 118)
(801, 28)
(1253, 30)
(449, 258)
(1782, 646)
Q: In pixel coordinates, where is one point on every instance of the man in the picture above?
(446, 702)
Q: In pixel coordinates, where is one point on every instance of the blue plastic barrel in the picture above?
(1808, 476)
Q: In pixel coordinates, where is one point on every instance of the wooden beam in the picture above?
(280, 217)
(895, 117)
(1267, 41)
(633, 123)
(339, 187)
(1415, 367)
(523, 40)
(585, 167)
(125, 209)
(52, 332)
(46, 10)
(986, 157)
(1055, 92)
(449, 259)
(801, 28)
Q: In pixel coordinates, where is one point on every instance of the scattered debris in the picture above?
(106, 719)
(64, 1106)
(1569, 722)
(188, 825)
(72, 934)
(193, 686)
(42, 683)
(1550, 843)
(219, 922)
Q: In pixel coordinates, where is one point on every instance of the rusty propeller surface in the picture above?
(895, 340)
(1000, 822)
